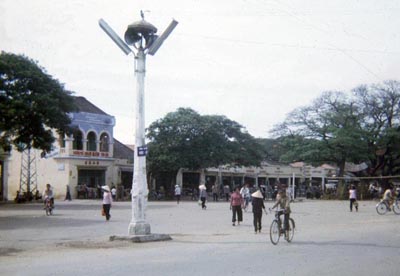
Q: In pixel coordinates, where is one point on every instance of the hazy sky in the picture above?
(250, 60)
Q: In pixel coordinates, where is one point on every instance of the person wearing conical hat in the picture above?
(107, 201)
(258, 204)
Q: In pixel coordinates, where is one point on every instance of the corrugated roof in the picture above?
(84, 105)
(122, 151)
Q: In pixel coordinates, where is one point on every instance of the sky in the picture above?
(252, 61)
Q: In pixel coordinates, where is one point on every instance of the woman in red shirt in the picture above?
(236, 206)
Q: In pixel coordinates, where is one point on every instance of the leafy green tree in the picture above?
(32, 103)
(380, 104)
(185, 139)
(328, 130)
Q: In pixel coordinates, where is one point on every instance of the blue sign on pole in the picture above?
(142, 151)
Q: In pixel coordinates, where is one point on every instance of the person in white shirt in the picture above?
(178, 193)
(245, 192)
(107, 201)
(48, 194)
(353, 198)
(114, 193)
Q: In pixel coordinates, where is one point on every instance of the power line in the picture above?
(283, 45)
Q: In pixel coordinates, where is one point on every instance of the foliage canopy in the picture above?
(337, 128)
(32, 103)
(185, 139)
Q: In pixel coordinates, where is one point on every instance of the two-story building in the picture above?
(91, 157)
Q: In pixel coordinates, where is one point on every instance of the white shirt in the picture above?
(245, 192)
(352, 194)
(177, 190)
(107, 199)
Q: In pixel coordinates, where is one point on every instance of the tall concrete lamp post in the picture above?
(141, 35)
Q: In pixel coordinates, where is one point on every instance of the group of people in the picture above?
(388, 197)
(108, 197)
(241, 197)
(240, 200)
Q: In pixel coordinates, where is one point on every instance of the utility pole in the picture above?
(142, 36)
(28, 174)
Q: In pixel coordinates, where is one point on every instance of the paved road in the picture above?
(329, 240)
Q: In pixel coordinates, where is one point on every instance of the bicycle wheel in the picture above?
(381, 208)
(274, 232)
(396, 208)
(291, 230)
(47, 211)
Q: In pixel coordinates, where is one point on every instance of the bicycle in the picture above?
(276, 230)
(382, 207)
(48, 207)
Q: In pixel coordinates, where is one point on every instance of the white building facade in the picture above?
(91, 157)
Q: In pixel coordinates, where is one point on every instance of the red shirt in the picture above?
(236, 199)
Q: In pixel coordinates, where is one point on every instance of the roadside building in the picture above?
(86, 160)
(270, 176)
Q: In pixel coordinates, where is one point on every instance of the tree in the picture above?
(380, 104)
(328, 130)
(185, 139)
(32, 103)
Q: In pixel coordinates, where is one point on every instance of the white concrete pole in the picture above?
(220, 184)
(139, 192)
(293, 185)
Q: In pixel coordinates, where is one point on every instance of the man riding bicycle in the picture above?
(388, 197)
(284, 205)
(48, 195)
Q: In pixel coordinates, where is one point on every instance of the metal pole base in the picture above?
(139, 228)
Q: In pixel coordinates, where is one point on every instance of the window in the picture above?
(78, 144)
(91, 141)
(104, 142)
(61, 140)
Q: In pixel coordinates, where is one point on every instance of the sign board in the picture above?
(142, 151)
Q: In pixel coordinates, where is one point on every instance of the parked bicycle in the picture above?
(276, 229)
(383, 207)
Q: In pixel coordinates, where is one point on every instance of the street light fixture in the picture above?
(141, 35)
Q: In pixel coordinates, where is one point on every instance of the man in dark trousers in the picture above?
(258, 205)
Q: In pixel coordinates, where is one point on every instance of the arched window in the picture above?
(91, 141)
(104, 142)
(78, 144)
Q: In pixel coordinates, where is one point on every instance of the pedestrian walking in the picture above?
(236, 206)
(177, 193)
(245, 192)
(107, 201)
(114, 193)
(353, 198)
(68, 194)
(258, 205)
(194, 193)
(227, 191)
(203, 196)
(215, 192)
